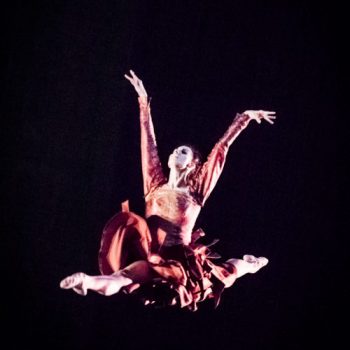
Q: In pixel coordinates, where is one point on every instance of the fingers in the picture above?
(259, 115)
(129, 78)
(269, 116)
(133, 77)
(269, 120)
(269, 113)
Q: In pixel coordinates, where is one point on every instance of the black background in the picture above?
(71, 147)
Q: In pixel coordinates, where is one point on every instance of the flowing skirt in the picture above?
(182, 275)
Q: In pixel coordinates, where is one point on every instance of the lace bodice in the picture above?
(173, 211)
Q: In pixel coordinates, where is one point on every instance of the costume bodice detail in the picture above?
(174, 212)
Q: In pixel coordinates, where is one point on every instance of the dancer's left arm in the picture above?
(212, 168)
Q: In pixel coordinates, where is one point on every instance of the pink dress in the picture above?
(184, 271)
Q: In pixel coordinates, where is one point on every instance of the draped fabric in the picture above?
(183, 274)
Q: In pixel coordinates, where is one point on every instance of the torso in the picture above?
(172, 214)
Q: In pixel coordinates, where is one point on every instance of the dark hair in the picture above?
(197, 156)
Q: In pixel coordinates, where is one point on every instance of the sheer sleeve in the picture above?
(152, 171)
(212, 168)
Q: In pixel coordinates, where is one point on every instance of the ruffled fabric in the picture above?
(184, 275)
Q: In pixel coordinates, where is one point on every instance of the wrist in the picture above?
(143, 98)
(244, 117)
(143, 101)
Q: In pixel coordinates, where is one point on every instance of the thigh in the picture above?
(139, 272)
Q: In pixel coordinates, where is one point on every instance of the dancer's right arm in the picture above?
(151, 166)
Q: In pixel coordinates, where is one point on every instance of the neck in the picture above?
(178, 178)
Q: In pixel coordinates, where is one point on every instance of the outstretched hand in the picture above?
(261, 115)
(137, 84)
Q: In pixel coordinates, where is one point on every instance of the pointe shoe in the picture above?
(258, 263)
(75, 282)
(264, 261)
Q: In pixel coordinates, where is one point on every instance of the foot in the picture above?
(77, 282)
(255, 264)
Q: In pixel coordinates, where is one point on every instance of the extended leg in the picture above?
(106, 285)
(137, 272)
(249, 264)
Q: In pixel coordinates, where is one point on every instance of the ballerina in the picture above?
(158, 256)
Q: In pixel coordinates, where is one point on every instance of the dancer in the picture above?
(158, 257)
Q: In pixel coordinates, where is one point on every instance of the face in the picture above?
(181, 157)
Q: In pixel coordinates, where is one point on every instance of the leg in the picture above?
(137, 272)
(249, 264)
(106, 285)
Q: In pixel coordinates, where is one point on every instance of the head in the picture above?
(184, 157)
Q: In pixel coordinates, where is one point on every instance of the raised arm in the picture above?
(212, 168)
(151, 166)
